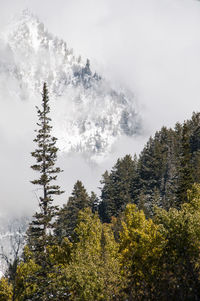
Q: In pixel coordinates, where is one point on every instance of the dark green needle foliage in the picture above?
(68, 215)
(117, 188)
(185, 179)
(46, 156)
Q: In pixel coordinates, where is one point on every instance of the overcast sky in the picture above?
(152, 47)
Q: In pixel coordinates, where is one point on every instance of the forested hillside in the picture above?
(161, 175)
(139, 241)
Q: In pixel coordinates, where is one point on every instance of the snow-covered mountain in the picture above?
(91, 114)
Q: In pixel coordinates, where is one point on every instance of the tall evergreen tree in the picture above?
(94, 200)
(45, 155)
(195, 145)
(185, 178)
(117, 190)
(195, 132)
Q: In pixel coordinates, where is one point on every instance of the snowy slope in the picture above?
(91, 114)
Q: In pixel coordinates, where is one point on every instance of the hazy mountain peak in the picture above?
(91, 114)
(26, 25)
(26, 13)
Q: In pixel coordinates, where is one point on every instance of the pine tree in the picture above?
(117, 190)
(68, 215)
(195, 145)
(45, 155)
(171, 172)
(195, 132)
(185, 178)
(94, 200)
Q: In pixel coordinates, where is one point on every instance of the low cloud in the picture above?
(149, 46)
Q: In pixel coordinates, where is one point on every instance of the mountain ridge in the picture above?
(95, 114)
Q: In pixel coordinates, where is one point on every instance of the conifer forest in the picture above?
(100, 152)
(139, 240)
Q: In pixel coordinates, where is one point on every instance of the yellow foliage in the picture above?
(26, 271)
(139, 238)
(182, 227)
(60, 254)
(94, 271)
(6, 291)
(141, 246)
